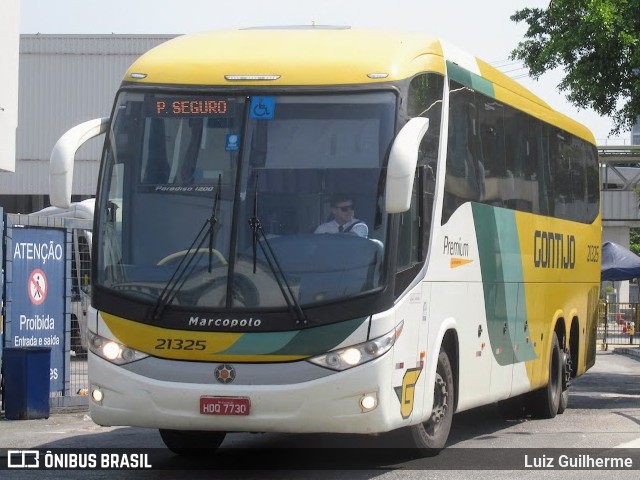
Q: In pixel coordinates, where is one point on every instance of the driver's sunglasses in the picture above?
(345, 208)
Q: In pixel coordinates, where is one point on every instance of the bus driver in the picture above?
(344, 221)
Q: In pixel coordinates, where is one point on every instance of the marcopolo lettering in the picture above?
(554, 250)
(224, 322)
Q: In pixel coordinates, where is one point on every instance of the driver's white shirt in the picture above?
(359, 227)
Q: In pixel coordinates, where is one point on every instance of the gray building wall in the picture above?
(64, 80)
(9, 38)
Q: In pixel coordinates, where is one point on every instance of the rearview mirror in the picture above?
(402, 165)
(63, 157)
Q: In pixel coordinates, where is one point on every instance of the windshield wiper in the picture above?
(214, 220)
(180, 276)
(256, 226)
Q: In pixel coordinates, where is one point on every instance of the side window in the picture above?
(464, 180)
(576, 153)
(501, 156)
(562, 162)
(593, 183)
(539, 142)
(409, 244)
(520, 161)
(498, 184)
(411, 248)
(425, 100)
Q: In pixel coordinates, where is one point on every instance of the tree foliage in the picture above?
(634, 240)
(597, 43)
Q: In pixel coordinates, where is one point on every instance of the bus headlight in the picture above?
(112, 351)
(355, 355)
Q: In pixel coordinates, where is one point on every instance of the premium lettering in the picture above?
(456, 247)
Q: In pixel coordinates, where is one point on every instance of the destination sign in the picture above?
(187, 107)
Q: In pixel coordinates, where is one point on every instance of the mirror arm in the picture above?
(63, 157)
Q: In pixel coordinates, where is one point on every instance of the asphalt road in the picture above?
(603, 415)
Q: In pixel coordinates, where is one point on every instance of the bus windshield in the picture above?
(231, 201)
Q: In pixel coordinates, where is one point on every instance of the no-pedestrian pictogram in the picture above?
(37, 287)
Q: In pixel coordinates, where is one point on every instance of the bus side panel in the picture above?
(521, 274)
(459, 296)
(411, 368)
(561, 282)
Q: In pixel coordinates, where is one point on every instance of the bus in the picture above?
(76, 215)
(221, 310)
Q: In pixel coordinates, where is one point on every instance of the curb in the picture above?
(632, 351)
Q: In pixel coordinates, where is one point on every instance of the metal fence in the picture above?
(618, 324)
(77, 242)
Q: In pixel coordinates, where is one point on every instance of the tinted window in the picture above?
(503, 157)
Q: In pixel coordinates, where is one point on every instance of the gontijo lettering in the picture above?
(554, 250)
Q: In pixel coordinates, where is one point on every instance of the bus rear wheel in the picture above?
(192, 442)
(566, 381)
(431, 436)
(546, 401)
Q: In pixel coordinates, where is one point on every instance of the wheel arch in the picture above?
(574, 345)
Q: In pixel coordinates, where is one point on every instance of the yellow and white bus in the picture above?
(221, 310)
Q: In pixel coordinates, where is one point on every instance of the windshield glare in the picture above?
(231, 202)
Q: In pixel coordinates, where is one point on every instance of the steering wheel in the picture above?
(202, 251)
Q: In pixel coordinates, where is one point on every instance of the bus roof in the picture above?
(326, 55)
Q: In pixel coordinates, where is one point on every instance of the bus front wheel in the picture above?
(192, 442)
(432, 434)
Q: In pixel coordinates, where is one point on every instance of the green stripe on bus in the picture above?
(311, 341)
(469, 79)
(259, 343)
(513, 276)
(482, 85)
(502, 278)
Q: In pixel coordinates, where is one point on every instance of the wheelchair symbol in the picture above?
(262, 107)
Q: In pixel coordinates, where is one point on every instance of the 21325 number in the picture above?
(180, 344)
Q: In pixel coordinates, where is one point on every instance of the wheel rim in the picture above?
(440, 405)
(555, 379)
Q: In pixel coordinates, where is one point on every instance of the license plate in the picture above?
(225, 405)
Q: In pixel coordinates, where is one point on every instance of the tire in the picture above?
(192, 442)
(566, 376)
(431, 436)
(546, 401)
(564, 401)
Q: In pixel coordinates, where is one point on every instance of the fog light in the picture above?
(97, 396)
(368, 402)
